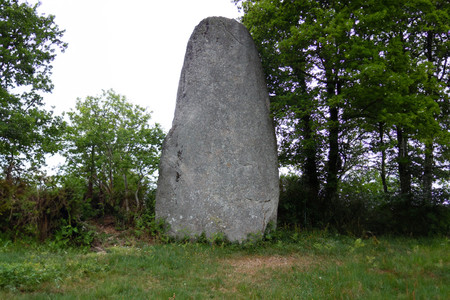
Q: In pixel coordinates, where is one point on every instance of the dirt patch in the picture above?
(251, 265)
(106, 225)
(108, 235)
(257, 270)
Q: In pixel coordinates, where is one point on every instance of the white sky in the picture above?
(135, 47)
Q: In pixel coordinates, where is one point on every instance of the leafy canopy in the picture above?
(111, 144)
(28, 44)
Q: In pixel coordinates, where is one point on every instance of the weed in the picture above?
(147, 224)
(219, 239)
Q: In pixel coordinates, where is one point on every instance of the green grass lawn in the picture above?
(304, 266)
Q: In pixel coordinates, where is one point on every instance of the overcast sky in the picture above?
(135, 47)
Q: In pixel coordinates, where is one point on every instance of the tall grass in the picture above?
(301, 265)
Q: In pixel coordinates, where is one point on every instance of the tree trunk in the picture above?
(90, 191)
(8, 172)
(127, 206)
(9, 169)
(383, 158)
(427, 180)
(428, 172)
(311, 183)
(110, 185)
(136, 197)
(310, 174)
(403, 163)
(333, 156)
(331, 187)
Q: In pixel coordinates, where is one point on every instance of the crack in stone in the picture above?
(232, 35)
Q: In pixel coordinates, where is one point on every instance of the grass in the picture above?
(307, 265)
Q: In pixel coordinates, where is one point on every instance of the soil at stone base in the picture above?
(108, 234)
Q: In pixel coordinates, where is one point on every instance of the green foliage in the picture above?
(27, 131)
(146, 225)
(110, 164)
(73, 236)
(111, 145)
(40, 209)
(29, 41)
(293, 207)
(218, 239)
(357, 86)
(29, 200)
(363, 208)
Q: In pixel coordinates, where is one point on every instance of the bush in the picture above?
(39, 208)
(362, 207)
(76, 235)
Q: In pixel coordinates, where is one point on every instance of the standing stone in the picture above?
(218, 170)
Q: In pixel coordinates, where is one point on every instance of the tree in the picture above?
(28, 44)
(404, 83)
(356, 85)
(305, 48)
(112, 146)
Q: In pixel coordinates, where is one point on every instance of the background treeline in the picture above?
(359, 95)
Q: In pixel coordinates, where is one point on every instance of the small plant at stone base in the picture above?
(159, 228)
(183, 236)
(253, 240)
(147, 224)
(202, 239)
(142, 224)
(218, 239)
(270, 233)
